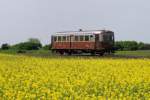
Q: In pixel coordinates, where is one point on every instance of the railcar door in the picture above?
(96, 41)
(71, 41)
(52, 41)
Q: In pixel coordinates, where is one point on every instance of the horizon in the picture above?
(43, 43)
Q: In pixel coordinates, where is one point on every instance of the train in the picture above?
(94, 42)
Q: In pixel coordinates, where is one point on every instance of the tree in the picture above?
(47, 47)
(141, 46)
(126, 45)
(130, 45)
(31, 44)
(146, 46)
(34, 40)
(5, 46)
(119, 45)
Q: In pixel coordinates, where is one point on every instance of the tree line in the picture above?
(131, 45)
(30, 44)
(35, 44)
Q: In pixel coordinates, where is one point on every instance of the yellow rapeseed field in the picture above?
(23, 77)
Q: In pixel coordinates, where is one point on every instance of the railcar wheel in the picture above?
(53, 52)
(93, 53)
(101, 54)
(61, 52)
(69, 53)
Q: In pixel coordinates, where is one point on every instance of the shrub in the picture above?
(5, 46)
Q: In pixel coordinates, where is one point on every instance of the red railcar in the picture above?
(77, 42)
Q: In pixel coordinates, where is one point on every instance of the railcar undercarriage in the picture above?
(80, 51)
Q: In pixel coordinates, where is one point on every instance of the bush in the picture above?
(141, 46)
(131, 45)
(47, 47)
(21, 51)
(31, 44)
(126, 45)
(5, 46)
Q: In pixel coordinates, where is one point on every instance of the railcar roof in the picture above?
(81, 32)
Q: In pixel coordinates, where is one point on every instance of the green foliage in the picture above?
(131, 45)
(34, 40)
(28, 46)
(47, 47)
(5, 46)
(142, 53)
(146, 47)
(141, 46)
(31, 44)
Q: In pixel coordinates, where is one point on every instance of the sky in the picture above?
(23, 19)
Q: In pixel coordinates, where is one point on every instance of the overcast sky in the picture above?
(22, 19)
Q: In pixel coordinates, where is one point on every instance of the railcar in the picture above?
(78, 42)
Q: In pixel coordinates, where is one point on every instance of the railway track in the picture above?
(129, 56)
(113, 56)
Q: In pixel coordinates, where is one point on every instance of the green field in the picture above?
(143, 53)
(47, 53)
(40, 53)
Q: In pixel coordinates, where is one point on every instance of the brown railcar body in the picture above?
(74, 45)
(92, 45)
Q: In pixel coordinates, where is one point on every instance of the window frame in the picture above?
(64, 38)
(81, 38)
(76, 38)
(54, 38)
(86, 38)
(67, 38)
(59, 38)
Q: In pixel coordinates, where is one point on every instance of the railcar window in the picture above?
(110, 38)
(76, 38)
(59, 38)
(64, 38)
(86, 38)
(91, 37)
(68, 38)
(105, 37)
(81, 38)
(101, 37)
(55, 38)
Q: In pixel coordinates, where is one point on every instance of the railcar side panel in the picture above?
(61, 45)
(83, 45)
(74, 45)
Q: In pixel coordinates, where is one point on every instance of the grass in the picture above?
(48, 54)
(8, 51)
(143, 53)
(41, 53)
